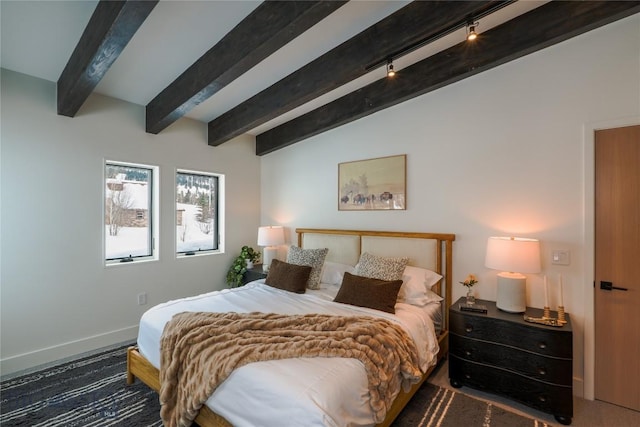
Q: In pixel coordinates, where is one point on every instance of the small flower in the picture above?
(469, 281)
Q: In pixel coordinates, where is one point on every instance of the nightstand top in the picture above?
(495, 313)
(254, 273)
(257, 268)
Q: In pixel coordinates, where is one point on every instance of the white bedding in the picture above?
(290, 392)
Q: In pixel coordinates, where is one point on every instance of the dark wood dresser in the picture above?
(500, 353)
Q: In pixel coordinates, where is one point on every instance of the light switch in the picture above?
(560, 257)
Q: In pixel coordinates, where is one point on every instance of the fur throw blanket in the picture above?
(200, 350)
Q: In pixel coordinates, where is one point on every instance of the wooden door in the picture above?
(617, 264)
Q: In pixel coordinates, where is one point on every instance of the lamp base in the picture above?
(270, 253)
(512, 292)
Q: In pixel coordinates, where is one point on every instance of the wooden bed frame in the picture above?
(139, 367)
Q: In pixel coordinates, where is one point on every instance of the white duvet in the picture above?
(290, 392)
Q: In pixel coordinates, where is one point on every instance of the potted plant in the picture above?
(240, 265)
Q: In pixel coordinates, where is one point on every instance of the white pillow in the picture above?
(416, 286)
(333, 272)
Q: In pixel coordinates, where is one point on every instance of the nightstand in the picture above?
(500, 353)
(254, 273)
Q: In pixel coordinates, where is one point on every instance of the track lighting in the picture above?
(390, 71)
(471, 31)
(468, 23)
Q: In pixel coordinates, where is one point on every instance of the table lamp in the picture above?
(513, 256)
(270, 237)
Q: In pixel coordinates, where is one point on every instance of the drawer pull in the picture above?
(542, 345)
(542, 371)
(467, 353)
(542, 398)
(467, 376)
(468, 328)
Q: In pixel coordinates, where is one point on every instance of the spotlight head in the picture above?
(390, 71)
(471, 31)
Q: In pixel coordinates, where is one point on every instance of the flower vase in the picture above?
(470, 298)
(249, 264)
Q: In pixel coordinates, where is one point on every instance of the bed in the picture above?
(321, 399)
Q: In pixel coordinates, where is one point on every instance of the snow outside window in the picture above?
(197, 212)
(128, 212)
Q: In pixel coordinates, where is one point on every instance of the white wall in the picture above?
(58, 299)
(500, 153)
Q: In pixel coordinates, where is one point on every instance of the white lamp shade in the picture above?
(270, 235)
(513, 254)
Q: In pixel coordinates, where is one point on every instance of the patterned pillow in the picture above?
(381, 268)
(314, 258)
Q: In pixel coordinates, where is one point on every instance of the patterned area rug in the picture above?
(92, 391)
(434, 406)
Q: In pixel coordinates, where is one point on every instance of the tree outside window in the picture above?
(128, 206)
(196, 212)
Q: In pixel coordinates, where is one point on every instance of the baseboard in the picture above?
(578, 387)
(38, 359)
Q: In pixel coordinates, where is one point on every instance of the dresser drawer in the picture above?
(553, 399)
(544, 341)
(533, 365)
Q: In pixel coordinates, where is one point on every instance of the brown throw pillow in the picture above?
(368, 292)
(290, 277)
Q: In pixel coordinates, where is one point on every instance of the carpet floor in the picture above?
(92, 391)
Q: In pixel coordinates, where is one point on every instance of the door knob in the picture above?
(608, 286)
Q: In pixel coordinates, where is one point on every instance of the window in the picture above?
(197, 212)
(129, 212)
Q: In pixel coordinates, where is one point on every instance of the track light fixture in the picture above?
(471, 31)
(390, 71)
(468, 22)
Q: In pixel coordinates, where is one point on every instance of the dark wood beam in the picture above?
(269, 27)
(110, 28)
(409, 26)
(542, 27)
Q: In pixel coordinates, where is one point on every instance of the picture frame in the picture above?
(373, 184)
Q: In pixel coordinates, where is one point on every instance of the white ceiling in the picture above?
(38, 38)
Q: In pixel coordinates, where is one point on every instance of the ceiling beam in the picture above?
(269, 27)
(110, 28)
(544, 26)
(409, 26)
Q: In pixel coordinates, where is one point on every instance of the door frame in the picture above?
(589, 145)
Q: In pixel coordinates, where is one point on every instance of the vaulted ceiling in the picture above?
(280, 70)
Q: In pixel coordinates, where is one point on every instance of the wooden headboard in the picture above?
(426, 250)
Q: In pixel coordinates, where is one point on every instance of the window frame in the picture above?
(218, 234)
(153, 214)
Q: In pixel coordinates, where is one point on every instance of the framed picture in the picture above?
(373, 184)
